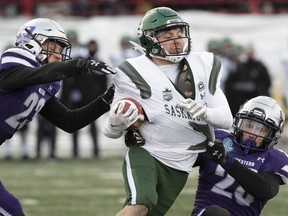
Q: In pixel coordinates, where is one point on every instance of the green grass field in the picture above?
(90, 188)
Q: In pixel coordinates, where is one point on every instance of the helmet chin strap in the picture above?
(249, 143)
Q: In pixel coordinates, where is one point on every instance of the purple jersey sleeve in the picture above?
(215, 186)
(9, 204)
(18, 56)
(19, 106)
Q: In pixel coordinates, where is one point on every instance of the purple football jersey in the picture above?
(215, 184)
(9, 205)
(19, 106)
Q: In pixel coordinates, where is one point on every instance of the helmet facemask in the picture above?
(260, 119)
(155, 48)
(48, 49)
(252, 130)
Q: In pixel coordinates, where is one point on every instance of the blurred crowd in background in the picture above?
(88, 8)
(245, 75)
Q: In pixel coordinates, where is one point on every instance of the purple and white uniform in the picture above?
(215, 184)
(19, 106)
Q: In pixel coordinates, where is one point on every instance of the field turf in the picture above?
(90, 187)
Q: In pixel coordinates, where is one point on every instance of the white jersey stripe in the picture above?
(130, 179)
(10, 59)
(4, 213)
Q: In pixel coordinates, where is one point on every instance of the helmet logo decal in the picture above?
(24, 36)
(258, 112)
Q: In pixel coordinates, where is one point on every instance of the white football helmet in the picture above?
(34, 33)
(263, 111)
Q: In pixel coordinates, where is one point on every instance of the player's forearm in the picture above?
(262, 186)
(72, 120)
(109, 131)
(23, 76)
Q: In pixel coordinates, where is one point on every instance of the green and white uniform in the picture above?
(172, 136)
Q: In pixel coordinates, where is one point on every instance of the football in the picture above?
(132, 102)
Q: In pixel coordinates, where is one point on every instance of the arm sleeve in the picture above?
(23, 76)
(72, 120)
(219, 114)
(263, 186)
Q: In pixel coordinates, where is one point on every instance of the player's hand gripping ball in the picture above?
(129, 106)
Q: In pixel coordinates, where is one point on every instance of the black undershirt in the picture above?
(263, 186)
(23, 76)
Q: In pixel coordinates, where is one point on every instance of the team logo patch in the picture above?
(201, 86)
(228, 144)
(50, 88)
(41, 91)
(185, 67)
(261, 159)
(167, 94)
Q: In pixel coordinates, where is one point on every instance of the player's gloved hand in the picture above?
(134, 138)
(108, 95)
(119, 120)
(90, 66)
(195, 109)
(216, 151)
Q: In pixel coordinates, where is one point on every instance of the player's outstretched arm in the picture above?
(263, 186)
(72, 120)
(22, 76)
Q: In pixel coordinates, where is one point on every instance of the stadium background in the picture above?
(65, 187)
(268, 34)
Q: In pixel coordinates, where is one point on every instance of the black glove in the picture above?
(108, 95)
(216, 151)
(134, 138)
(90, 66)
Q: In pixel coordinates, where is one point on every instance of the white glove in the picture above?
(195, 109)
(119, 120)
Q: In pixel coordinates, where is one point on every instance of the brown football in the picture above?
(132, 102)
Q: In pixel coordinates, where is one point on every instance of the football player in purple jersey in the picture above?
(30, 76)
(241, 171)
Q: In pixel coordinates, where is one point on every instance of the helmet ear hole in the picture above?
(147, 43)
(29, 46)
